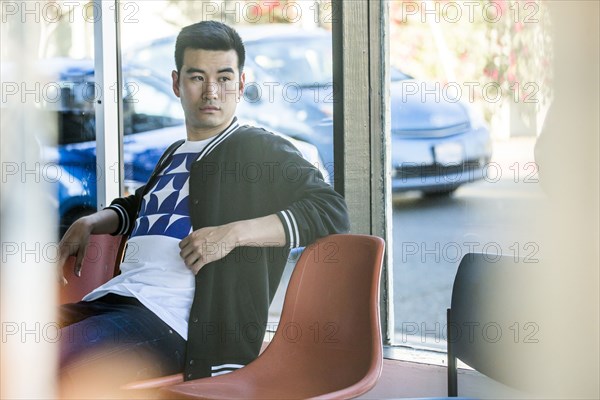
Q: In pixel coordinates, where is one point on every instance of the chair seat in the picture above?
(272, 379)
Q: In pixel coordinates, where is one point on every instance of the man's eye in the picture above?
(225, 79)
(197, 78)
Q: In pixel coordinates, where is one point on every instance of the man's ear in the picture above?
(242, 83)
(175, 77)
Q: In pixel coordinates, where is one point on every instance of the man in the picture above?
(209, 234)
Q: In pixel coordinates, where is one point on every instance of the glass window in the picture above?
(464, 129)
(304, 62)
(148, 107)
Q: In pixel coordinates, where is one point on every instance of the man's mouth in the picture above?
(209, 108)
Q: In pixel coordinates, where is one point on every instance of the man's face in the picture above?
(209, 86)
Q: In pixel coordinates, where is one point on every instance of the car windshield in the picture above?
(304, 62)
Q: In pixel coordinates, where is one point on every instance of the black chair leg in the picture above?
(452, 377)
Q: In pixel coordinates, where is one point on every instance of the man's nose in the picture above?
(210, 90)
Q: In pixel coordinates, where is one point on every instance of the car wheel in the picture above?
(72, 216)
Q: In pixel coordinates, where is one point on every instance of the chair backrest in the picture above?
(330, 319)
(492, 324)
(101, 263)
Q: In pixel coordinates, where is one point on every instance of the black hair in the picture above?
(209, 35)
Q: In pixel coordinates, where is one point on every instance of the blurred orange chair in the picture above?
(101, 262)
(328, 343)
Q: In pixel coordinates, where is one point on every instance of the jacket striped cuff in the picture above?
(290, 226)
(217, 370)
(124, 222)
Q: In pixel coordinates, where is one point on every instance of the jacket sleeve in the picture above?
(126, 209)
(313, 208)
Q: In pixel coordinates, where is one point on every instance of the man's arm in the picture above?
(75, 240)
(308, 208)
(210, 244)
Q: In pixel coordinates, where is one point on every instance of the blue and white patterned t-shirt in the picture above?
(152, 269)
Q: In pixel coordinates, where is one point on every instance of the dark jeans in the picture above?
(116, 333)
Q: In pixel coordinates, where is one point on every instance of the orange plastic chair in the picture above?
(101, 263)
(328, 342)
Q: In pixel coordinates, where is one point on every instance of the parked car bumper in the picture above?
(437, 177)
(440, 165)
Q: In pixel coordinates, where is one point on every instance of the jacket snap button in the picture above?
(195, 319)
(195, 202)
(191, 362)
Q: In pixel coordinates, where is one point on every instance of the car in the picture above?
(152, 120)
(437, 142)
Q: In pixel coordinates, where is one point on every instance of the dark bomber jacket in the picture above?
(243, 173)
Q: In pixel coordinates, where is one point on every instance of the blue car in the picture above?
(152, 119)
(438, 143)
(149, 127)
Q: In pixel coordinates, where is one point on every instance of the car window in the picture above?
(76, 113)
(304, 63)
(146, 108)
(156, 56)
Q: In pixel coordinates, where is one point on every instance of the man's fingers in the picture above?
(192, 259)
(184, 242)
(79, 262)
(186, 251)
(190, 249)
(197, 266)
(66, 251)
(202, 247)
(60, 276)
(62, 261)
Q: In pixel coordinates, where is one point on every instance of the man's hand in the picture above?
(77, 237)
(206, 245)
(210, 244)
(74, 243)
